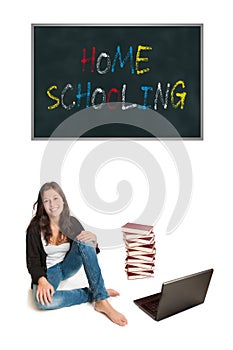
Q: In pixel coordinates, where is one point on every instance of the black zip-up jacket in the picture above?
(35, 254)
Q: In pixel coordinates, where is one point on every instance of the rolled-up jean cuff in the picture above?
(101, 297)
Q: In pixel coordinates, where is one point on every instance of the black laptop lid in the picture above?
(183, 293)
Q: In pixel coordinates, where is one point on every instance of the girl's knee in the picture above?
(39, 305)
(51, 306)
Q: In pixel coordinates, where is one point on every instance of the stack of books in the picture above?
(140, 250)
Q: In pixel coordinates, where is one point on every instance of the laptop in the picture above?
(176, 295)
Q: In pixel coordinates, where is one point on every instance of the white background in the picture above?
(203, 239)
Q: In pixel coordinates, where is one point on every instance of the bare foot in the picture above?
(112, 292)
(105, 307)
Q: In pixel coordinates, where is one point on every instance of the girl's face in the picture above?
(53, 203)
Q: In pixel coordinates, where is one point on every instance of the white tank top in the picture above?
(55, 253)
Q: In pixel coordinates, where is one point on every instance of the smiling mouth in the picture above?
(54, 210)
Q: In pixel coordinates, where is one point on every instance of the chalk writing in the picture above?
(160, 95)
(85, 95)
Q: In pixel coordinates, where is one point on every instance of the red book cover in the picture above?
(140, 256)
(137, 228)
(135, 260)
(145, 265)
(138, 241)
(132, 268)
(149, 248)
(135, 275)
(145, 251)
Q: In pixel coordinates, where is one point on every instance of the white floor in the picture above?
(201, 327)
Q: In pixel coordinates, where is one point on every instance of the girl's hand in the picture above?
(44, 292)
(87, 236)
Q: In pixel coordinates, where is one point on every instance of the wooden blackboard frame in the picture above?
(197, 136)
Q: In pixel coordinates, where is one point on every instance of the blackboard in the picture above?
(144, 67)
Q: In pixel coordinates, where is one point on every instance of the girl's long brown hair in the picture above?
(41, 217)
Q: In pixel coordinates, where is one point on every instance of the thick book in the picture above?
(148, 248)
(140, 257)
(134, 252)
(137, 262)
(137, 228)
(133, 268)
(130, 241)
(135, 275)
(144, 265)
(140, 271)
(138, 246)
(135, 236)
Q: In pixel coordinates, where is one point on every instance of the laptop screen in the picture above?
(183, 293)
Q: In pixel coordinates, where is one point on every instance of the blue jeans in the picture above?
(79, 254)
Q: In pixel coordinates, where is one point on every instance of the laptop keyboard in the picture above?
(152, 305)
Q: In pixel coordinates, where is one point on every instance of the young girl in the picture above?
(56, 247)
